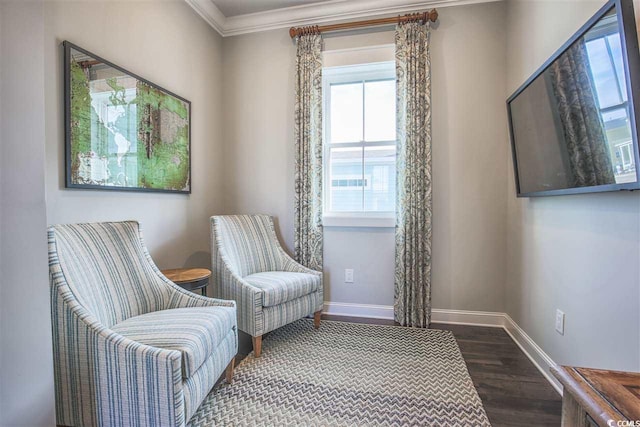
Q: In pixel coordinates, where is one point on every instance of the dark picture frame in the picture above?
(122, 132)
(631, 61)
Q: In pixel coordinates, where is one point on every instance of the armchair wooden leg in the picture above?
(257, 346)
(316, 319)
(229, 371)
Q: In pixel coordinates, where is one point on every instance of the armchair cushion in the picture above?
(281, 286)
(195, 332)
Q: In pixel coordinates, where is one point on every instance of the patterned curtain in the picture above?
(308, 141)
(412, 305)
(577, 105)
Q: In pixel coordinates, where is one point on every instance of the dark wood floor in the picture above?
(513, 391)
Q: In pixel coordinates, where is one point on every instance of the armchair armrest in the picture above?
(95, 361)
(248, 298)
(286, 262)
(289, 264)
(229, 285)
(181, 298)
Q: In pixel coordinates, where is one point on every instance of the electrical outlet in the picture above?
(348, 275)
(560, 322)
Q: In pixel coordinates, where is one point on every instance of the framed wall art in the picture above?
(122, 131)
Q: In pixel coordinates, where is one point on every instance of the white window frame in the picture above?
(351, 74)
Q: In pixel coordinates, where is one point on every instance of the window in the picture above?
(605, 61)
(360, 140)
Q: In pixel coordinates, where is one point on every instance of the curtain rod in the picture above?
(431, 15)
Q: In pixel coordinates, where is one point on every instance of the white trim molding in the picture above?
(538, 357)
(312, 13)
(359, 310)
(464, 317)
(210, 13)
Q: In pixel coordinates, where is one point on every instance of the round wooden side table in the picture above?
(190, 279)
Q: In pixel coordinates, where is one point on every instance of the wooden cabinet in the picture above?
(596, 397)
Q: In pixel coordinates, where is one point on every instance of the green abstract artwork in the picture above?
(122, 132)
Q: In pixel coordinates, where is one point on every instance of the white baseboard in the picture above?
(464, 317)
(538, 357)
(359, 310)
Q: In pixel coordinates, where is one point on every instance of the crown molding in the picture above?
(210, 13)
(314, 13)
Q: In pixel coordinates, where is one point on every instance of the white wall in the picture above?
(26, 373)
(163, 41)
(469, 147)
(580, 253)
(167, 43)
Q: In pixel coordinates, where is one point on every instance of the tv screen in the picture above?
(573, 123)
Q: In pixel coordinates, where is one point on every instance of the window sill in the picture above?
(358, 221)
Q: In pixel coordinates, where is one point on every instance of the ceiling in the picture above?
(242, 7)
(234, 17)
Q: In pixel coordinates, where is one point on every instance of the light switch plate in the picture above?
(560, 322)
(348, 275)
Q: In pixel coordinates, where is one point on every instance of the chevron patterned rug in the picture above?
(348, 374)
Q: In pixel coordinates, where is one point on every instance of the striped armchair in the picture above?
(131, 348)
(250, 267)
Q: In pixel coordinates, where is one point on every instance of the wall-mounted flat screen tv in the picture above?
(573, 123)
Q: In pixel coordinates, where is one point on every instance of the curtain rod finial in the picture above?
(293, 31)
(433, 15)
